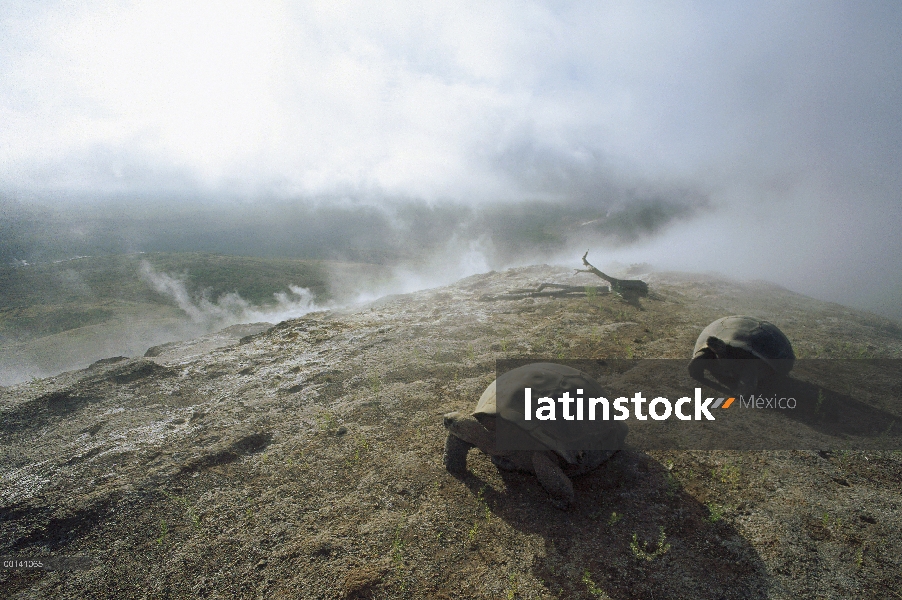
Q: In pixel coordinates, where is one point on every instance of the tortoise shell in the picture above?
(569, 439)
(758, 337)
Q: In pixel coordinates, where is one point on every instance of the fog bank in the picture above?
(759, 139)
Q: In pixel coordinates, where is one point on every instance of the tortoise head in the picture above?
(450, 418)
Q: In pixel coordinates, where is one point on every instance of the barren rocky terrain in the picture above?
(304, 461)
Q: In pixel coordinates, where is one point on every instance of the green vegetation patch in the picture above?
(119, 277)
(49, 298)
(38, 321)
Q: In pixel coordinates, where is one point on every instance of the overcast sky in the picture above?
(786, 116)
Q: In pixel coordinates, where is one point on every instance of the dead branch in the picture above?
(560, 291)
(562, 287)
(620, 286)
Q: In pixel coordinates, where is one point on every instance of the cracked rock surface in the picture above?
(303, 460)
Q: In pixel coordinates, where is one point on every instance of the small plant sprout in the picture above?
(715, 512)
(614, 518)
(672, 484)
(482, 505)
(397, 546)
(511, 586)
(474, 530)
(360, 447)
(827, 521)
(375, 383)
(189, 510)
(843, 457)
(164, 531)
(728, 474)
(592, 587)
(398, 557)
(326, 420)
(596, 335)
(643, 552)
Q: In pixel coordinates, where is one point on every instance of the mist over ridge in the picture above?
(759, 140)
(395, 230)
(429, 244)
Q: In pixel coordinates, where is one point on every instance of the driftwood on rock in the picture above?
(559, 291)
(628, 289)
(623, 287)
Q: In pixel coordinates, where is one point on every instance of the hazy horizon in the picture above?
(758, 140)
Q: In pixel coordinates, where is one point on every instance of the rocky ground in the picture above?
(304, 461)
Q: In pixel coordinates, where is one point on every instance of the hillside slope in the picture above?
(305, 462)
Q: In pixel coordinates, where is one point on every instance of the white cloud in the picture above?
(419, 98)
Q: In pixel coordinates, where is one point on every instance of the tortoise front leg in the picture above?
(702, 360)
(748, 382)
(455, 455)
(464, 433)
(554, 480)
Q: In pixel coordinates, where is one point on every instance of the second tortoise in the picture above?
(741, 351)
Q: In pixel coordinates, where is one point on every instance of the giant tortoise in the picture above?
(557, 449)
(740, 352)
